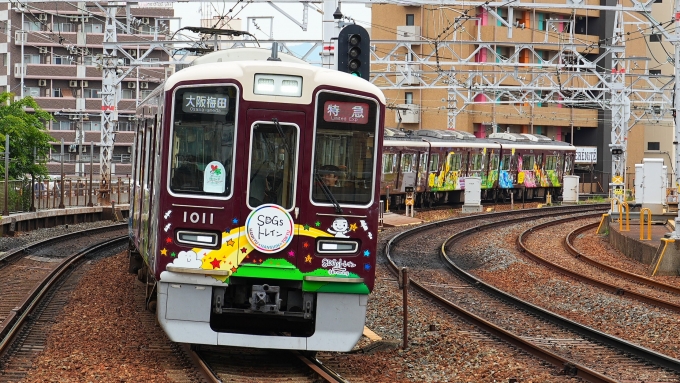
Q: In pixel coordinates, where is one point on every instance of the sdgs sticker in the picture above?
(269, 228)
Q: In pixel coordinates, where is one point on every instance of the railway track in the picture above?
(236, 364)
(576, 350)
(36, 281)
(579, 266)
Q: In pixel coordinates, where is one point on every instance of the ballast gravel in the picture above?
(104, 335)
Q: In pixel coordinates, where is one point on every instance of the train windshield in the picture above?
(272, 164)
(344, 153)
(203, 140)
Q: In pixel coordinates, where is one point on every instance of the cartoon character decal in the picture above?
(339, 228)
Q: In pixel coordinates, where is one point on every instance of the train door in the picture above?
(271, 191)
(408, 171)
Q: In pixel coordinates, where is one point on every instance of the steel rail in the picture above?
(569, 243)
(567, 366)
(11, 325)
(616, 290)
(587, 332)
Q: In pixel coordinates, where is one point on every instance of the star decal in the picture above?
(305, 245)
(366, 253)
(168, 240)
(367, 266)
(308, 258)
(234, 221)
(306, 227)
(291, 253)
(230, 242)
(317, 223)
(164, 251)
(227, 230)
(243, 250)
(215, 263)
(173, 254)
(353, 227)
(233, 269)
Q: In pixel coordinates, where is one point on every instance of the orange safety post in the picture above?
(624, 206)
(649, 224)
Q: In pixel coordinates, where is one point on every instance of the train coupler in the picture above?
(265, 298)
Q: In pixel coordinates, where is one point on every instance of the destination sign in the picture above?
(206, 103)
(348, 112)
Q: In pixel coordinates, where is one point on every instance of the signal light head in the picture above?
(354, 52)
(354, 65)
(354, 39)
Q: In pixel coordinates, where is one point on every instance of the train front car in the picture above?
(268, 208)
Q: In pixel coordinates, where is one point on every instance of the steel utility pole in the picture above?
(619, 102)
(676, 107)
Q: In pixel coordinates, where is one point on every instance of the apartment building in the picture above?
(57, 58)
(487, 53)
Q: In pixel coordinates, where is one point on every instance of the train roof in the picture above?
(455, 138)
(245, 65)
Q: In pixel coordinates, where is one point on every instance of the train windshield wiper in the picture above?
(326, 191)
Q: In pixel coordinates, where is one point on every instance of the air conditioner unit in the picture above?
(42, 50)
(72, 148)
(42, 17)
(83, 149)
(408, 33)
(42, 82)
(409, 114)
(129, 148)
(86, 19)
(85, 84)
(143, 85)
(73, 19)
(132, 52)
(73, 117)
(145, 20)
(131, 85)
(73, 83)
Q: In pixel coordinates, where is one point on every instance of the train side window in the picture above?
(434, 162)
(203, 126)
(423, 161)
(507, 160)
(528, 162)
(453, 162)
(477, 162)
(493, 165)
(389, 162)
(407, 163)
(551, 163)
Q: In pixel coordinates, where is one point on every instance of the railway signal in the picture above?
(354, 55)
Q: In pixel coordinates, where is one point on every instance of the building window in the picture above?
(146, 93)
(31, 59)
(410, 19)
(66, 27)
(408, 98)
(653, 146)
(655, 72)
(92, 125)
(61, 125)
(128, 94)
(61, 60)
(93, 28)
(32, 91)
(56, 92)
(3, 59)
(91, 93)
(656, 37)
(31, 25)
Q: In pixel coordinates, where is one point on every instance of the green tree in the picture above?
(26, 131)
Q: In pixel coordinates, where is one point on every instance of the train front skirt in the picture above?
(185, 303)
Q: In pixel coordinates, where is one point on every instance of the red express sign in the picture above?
(348, 112)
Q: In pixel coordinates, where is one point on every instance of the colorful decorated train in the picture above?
(236, 225)
(435, 163)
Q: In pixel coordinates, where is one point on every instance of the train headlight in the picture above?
(332, 246)
(197, 238)
(278, 85)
